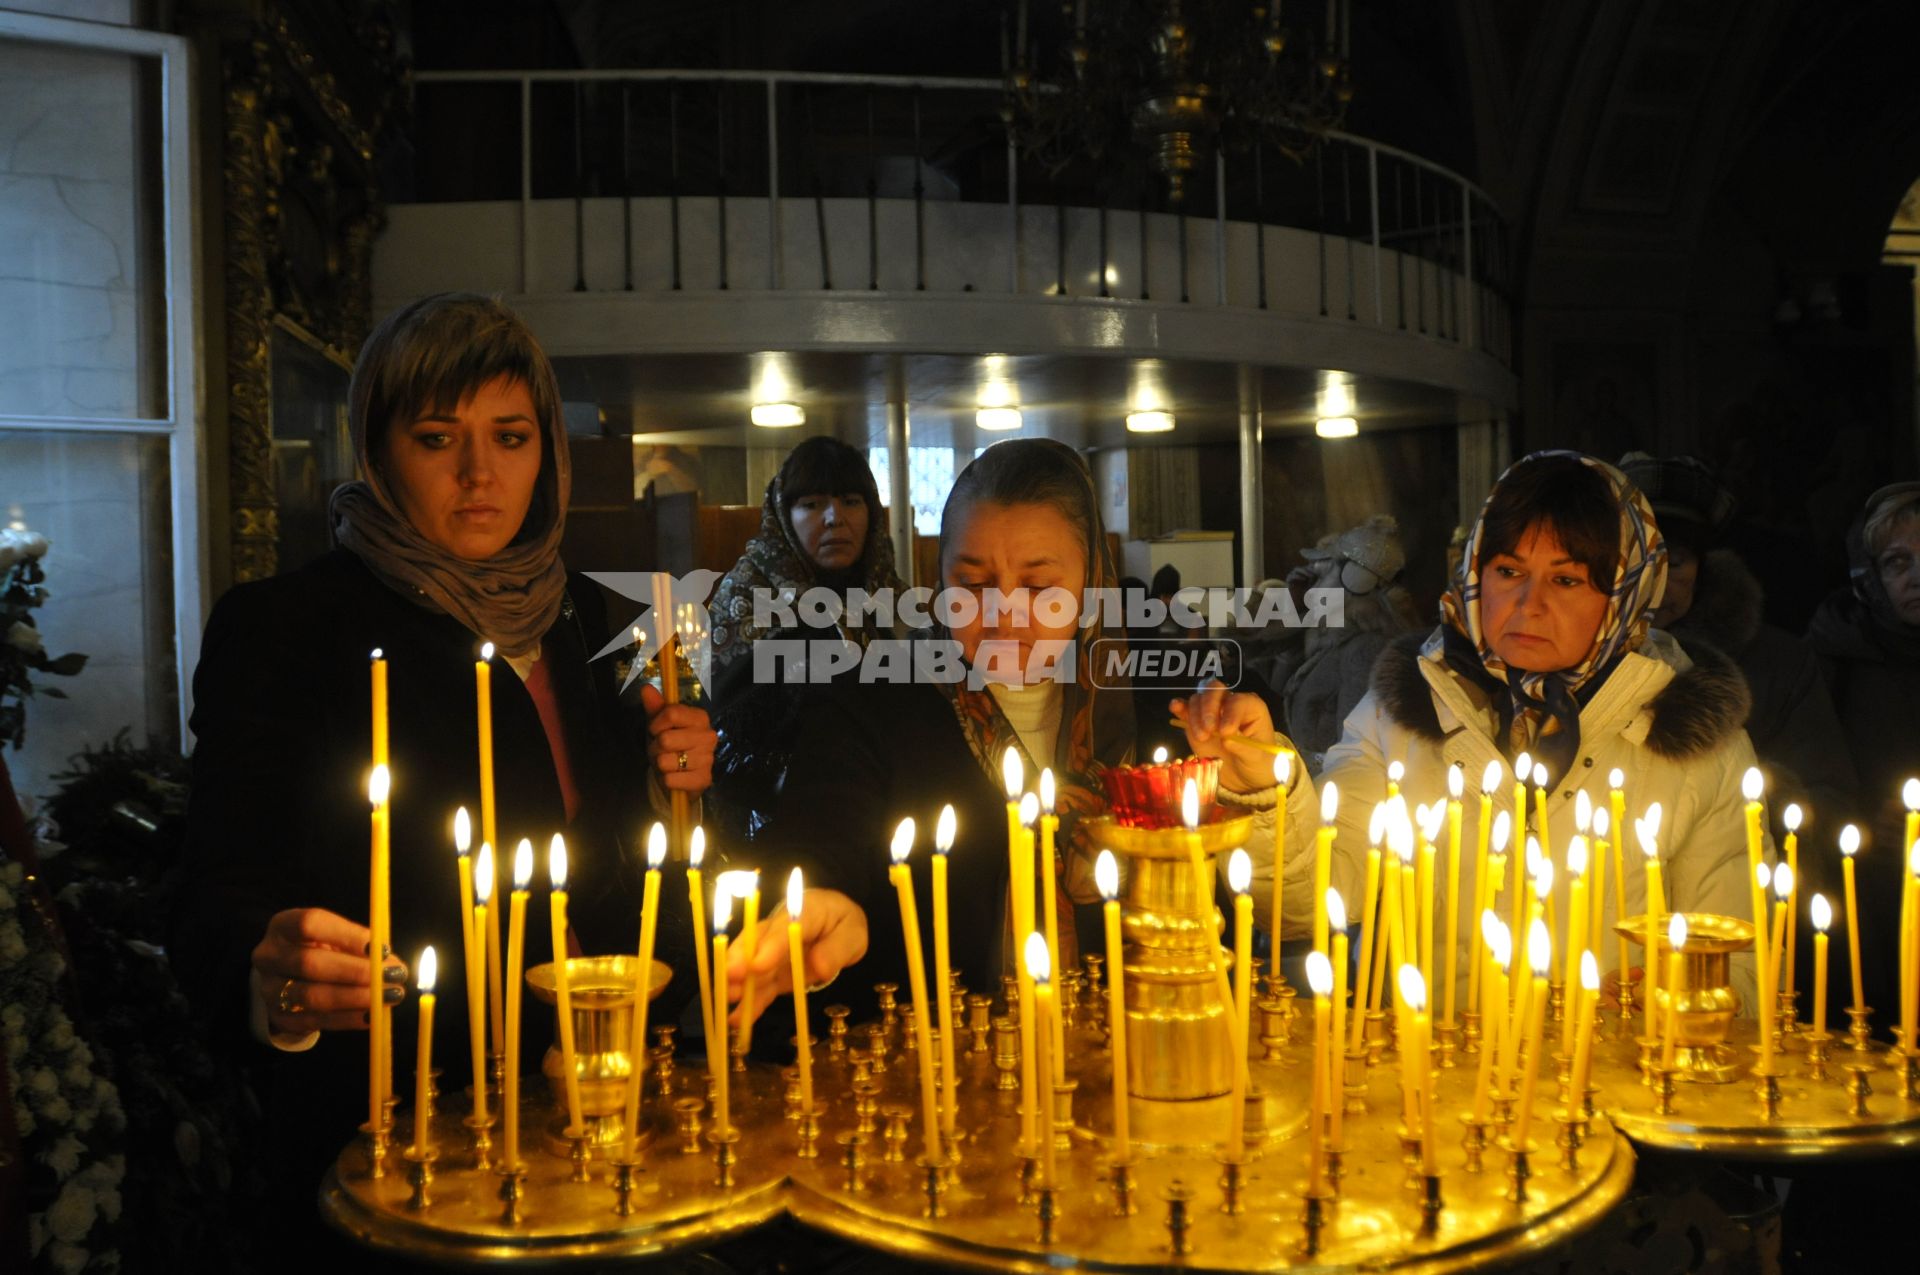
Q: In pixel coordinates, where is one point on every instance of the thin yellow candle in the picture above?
(697, 902)
(797, 962)
(425, 974)
(1034, 1105)
(1323, 859)
(1540, 957)
(943, 835)
(483, 698)
(1526, 853)
(1516, 1037)
(377, 665)
(1540, 807)
(1456, 785)
(1369, 907)
(1597, 925)
(1822, 918)
(1589, 994)
(1649, 832)
(902, 877)
(1282, 778)
(477, 981)
(1522, 771)
(1910, 1007)
(1576, 929)
(1039, 965)
(1336, 1061)
(1909, 914)
(1425, 873)
(1417, 1059)
(719, 1061)
(750, 937)
(562, 981)
(1236, 1041)
(1763, 961)
(1792, 818)
(1782, 909)
(1106, 874)
(379, 1074)
(1677, 940)
(643, 988)
(1240, 879)
(516, 951)
(1498, 950)
(1320, 983)
(1049, 824)
(1617, 823)
(1483, 837)
(1751, 785)
(1399, 844)
(1850, 846)
(463, 864)
(1494, 870)
(1013, 777)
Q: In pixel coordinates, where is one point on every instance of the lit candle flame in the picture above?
(1602, 822)
(1106, 874)
(1501, 941)
(1764, 875)
(1539, 948)
(1539, 774)
(1431, 824)
(1319, 974)
(1589, 972)
(1543, 877)
(1400, 832)
(903, 839)
(1489, 926)
(486, 652)
(1822, 913)
(1649, 839)
(1783, 883)
(1677, 932)
(1533, 856)
(1752, 784)
(462, 832)
(1039, 960)
(1523, 767)
(1413, 989)
(740, 882)
(1190, 805)
(656, 846)
(1377, 826)
(1850, 841)
(1577, 856)
(697, 847)
(1502, 832)
(1396, 771)
(1336, 910)
(1046, 790)
(1329, 802)
(1616, 778)
(1652, 818)
(483, 874)
(1792, 816)
(1910, 794)
(557, 862)
(427, 970)
(722, 906)
(1282, 768)
(377, 654)
(379, 786)
(796, 893)
(522, 865)
(944, 829)
(1160, 755)
(1239, 871)
(1582, 811)
(1456, 781)
(1029, 810)
(1012, 773)
(1490, 778)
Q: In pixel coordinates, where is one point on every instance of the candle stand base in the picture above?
(1316, 1206)
(1470, 1033)
(1819, 1044)
(1355, 1087)
(1432, 1204)
(479, 1141)
(1859, 1088)
(1573, 1136)
(1046, 1210)
(1446, 1038)
(513, 1188)
(933, 1185)
(1232, 1182)
(1664, 1087)
(420, 1177)
(1860, 1029)
(1519, 1172)
(724, 1141)
(378, 1148)
(1121, 1180)
(1908, 1067)
(1474, 1141)
(625, 1182)
(1766, 1088)
(1336, 1168)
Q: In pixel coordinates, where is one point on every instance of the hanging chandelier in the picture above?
(1174, 81)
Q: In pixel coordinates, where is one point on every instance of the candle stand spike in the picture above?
(1354, 1087)
(625, 1174)
(1766, 1088)
(580, 1155)
(1474, 1141)
(1446, 1043)
(1470, 1033)
(1664, 1087)
(480, 1140)
(837, 1030)
(1432, 1204)
(420, 1177)
(1006, 1054)
(1819, 1046)
(1233, 1184)
(1336, 1168)
(853, 1160)
(724, 1141)
(1120, 1178)
(513, 1191)
(979, 1023)
(1179, 1221)
(379, 1144)
(1573, 1136)
(887, 996)
(1519, 1171)
(894, 1141)
(1860, 1029)
(1859, 1087)
(1046, 1210)
(1503, 1110)
(809, 1132)
(1909, 1069)
(1317, 1206)
(686, 1112)
(933, 1185)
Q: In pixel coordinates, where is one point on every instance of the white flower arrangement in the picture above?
(58, 1100)
(23, 649)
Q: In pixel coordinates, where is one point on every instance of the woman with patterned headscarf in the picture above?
(1022, 519)
(1544, 653)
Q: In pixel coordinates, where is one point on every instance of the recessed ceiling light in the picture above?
(778, 415)
(997, 418)
(1336, 427)
(1149, 422)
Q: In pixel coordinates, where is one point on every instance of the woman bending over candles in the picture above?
(1022, 517)
(1544, 649)
(449, 540)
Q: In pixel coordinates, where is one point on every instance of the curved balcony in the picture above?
(645, 213)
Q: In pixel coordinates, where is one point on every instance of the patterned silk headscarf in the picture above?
(1096, 723)
(1541, 712)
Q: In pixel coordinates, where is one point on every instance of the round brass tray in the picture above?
(1815, 1117)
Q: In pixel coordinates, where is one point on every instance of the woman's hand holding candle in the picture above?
(833, 935)
(310, 972)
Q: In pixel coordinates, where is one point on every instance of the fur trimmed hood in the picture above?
(1699, 710)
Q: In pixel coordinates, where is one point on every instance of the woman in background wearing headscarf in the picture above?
(1022, 516)
(450, 539)
(1544, 648)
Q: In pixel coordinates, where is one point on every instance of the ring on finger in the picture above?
(683, 759)
(287, 1005)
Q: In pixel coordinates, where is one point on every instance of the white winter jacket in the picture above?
(1671, 722)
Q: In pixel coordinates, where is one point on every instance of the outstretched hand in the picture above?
(312, 967)
(1219, 723)
(833, 935)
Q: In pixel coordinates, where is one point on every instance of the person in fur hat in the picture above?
(1545, 648)
(1713, 599)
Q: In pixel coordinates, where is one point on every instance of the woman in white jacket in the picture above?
(1544, 648)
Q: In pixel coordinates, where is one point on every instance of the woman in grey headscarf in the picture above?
(449, 540)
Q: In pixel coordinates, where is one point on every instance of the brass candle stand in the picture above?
(1707, 1004)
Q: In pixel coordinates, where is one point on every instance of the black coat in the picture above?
(278, 817)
